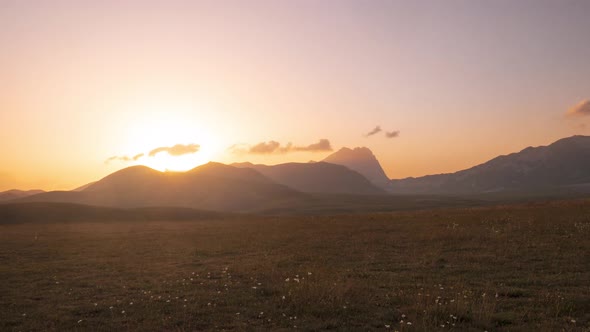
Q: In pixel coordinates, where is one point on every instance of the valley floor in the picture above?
(512, 268)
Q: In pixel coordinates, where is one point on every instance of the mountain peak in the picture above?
(359, 150)
(137, 169)
(133, 175)
(362, 160)
(576, 139)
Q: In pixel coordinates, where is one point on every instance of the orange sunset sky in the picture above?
(82, 82)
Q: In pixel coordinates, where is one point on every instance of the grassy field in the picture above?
(507, 268)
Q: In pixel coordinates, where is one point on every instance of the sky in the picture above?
(90, 87)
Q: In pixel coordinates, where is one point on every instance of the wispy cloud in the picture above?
(274, 147)
(392, 134)
(581, 109)
(388, 134)
(118, 158)
(176, 150)
(375, 130)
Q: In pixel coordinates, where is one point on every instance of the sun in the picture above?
(162, 127)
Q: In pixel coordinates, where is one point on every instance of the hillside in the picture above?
(317, 177)
(15, 194)
(210, 187)
(564, 164)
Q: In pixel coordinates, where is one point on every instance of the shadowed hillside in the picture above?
(318, 177)
(211, 187)
(84, 186)
(15, 194)
(563, 165)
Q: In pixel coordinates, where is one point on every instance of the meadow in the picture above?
(505, 268)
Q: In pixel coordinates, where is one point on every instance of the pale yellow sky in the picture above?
(85, 81)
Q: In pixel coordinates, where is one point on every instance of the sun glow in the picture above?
(156, 126)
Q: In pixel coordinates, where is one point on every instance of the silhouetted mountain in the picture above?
(361, 160)
(15, 193)
(563, 164)
(317, 177)
(212, 186)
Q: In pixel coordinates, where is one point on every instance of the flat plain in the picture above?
(505, 268)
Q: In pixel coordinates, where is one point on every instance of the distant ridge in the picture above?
(317, 177)
(563, 164)
(362, 160)
(15, 194)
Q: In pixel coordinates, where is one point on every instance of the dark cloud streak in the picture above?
(274, 147)
(375, 131)
(388, 134)
(392, 134)
(321, 146)
(581, 109)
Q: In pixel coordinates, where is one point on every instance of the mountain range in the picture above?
(565, 164)
(212, 186)
(317, 177)
(348, 177)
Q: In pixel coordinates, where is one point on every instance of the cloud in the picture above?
(265, 147)
(375, 130)
(581, 109)
(321, 146)
(176, 150)
(392, 134)
(388, 134)
(274, 147)
(119, 158)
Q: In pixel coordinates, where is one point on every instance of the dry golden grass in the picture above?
(512, 268)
